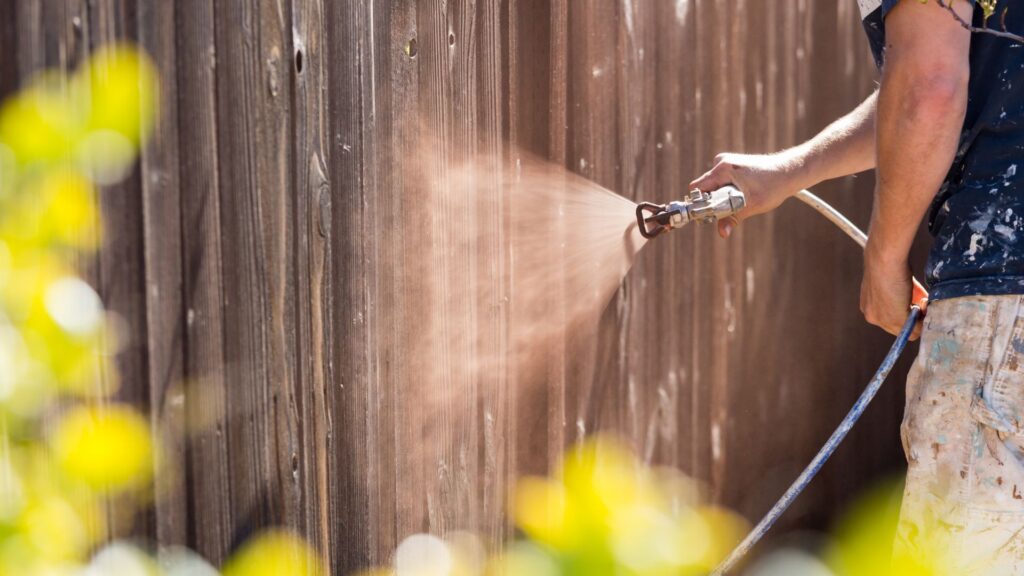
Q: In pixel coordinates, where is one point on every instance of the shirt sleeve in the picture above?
(890, 4)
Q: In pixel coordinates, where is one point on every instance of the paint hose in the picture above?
(851, 418)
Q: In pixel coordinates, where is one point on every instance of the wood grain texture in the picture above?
(312, 153)
(254, 115)
(292, 262)
(121, 264)
(208, 478)
(8, 47)
(352, 376)
(162, 242)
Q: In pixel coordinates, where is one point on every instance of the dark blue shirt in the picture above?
(976, 218)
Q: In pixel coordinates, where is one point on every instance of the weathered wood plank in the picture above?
(162, 241)
(314, 236)
(31, 55)
(638, 376)
(394, 86)
(212, 517)
(664, 295)
(277, 218)
(253, 115)
(537, 402)
(121, 268)
(351, 371)
(8, 47)
(438, 445)
(495, 426)
(593, 151)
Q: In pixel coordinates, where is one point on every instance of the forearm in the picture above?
(920, 115)
(847, 146)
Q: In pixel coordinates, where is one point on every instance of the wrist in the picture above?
(802, 167)
(886, 255)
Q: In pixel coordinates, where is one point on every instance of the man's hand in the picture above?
(845, 147)
(765, 179)
(886, 292)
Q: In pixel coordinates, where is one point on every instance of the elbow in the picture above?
(939, 95)
(934, 92)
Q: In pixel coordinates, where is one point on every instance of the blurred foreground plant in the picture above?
(68, 451)
(603, 513)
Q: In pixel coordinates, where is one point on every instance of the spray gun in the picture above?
(653, 219)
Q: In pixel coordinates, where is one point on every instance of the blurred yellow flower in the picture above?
(56, 209)
(607, 513)
(540, 510)
(96, 119)
(40, 124)
(107, 449)
(54, 529)
(123, 89)
(275, 553)
(864, 539)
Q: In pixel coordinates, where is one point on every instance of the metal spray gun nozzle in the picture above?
(653, 219)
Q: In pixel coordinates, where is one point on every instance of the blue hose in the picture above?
(826, 451)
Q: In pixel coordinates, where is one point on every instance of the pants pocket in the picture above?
(998, 407)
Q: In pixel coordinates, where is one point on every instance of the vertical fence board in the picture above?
(393, 490)
(165, 325)
(209, 484)
(277, 217)
(437, 446)
(8, 47)
(313, 233)
(495, 425)
(253, 89)
(352, 371)
(592, 392)
(121, 267)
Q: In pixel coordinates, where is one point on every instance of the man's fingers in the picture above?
(893, 329)
(891, 324)
(727, 225)
(713, 179)
(895, 326)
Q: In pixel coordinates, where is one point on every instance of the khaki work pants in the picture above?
(963, 434)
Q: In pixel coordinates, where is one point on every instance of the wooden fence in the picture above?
(257, 254)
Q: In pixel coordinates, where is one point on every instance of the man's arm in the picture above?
(921, 105)
(845, 147)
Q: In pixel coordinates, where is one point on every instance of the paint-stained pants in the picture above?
(963, 433)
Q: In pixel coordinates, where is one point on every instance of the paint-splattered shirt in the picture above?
(977, 218)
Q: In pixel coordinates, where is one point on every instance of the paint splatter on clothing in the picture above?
(976, 218)
(963, 433)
